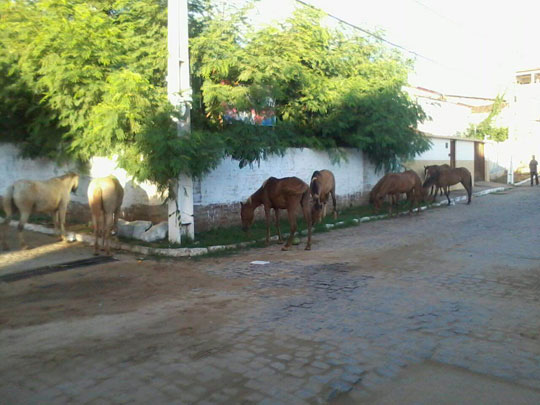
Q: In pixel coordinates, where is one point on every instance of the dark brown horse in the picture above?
(322, 185)
(434, 187)
(394, 184)
(448, 177)
(287, 193)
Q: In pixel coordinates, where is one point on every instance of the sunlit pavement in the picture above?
(455, 289)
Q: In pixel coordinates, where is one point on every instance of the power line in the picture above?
(367, 32)
(385, 40)
(432, 10)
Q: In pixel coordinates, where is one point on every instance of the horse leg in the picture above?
(109, 222)
(267, 217)
(333, 193)
(291, 213)
(276, 214)
(115, 225)
(437, 191)
(56, 219)
(95, 222)
(410, 197)
(102, 226)
(3, 235)
(468, 188)
(307, 217)
(62, 220)
(20, 229)
(447, 192)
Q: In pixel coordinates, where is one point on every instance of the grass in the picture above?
(234, 234)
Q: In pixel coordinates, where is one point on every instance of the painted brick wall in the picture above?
(141, 201)
(218, 195)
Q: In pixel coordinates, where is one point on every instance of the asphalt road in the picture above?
(442, 307)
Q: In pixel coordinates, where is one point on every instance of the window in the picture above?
(523, 79)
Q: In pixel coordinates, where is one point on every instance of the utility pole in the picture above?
(180, 207)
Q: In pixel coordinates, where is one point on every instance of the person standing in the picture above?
(533, 168)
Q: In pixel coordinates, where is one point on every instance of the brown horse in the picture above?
(394, 198)
(287, 193)
(448, 177)
(322, 185)
(50, 197)
(434, 187)
(105, 196)
(394, 184)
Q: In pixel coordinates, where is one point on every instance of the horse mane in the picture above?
(67, 175)
(259, 190)
(315, 185)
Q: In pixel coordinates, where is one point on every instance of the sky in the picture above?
(466, 47)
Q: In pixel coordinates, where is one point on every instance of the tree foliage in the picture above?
(328, 88)
(86, 78)
(486, 130)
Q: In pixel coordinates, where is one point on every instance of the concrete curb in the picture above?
(519, 183)
(188, 252)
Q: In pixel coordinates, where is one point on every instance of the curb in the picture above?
(189, 252)
(519, 183)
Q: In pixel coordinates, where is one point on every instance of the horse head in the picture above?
(432, 176)
(316, 214)
(247, 214)
(74, 182)
(315, 188)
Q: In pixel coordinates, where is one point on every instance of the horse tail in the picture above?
(470, 187)
(8, 202)
(304, 201)
(96, 200)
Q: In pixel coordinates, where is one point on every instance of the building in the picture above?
(523, 116)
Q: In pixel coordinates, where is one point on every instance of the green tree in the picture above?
(86, 78)
(486, 130)
(329, 89)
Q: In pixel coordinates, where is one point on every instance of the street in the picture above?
(441, 307)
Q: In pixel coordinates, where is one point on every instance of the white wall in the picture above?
(440, 150)
(464, 150)
(13, 168)
(230, 184)
(444, 118)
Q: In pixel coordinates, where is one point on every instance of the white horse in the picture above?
(50, 197)
(105, 196)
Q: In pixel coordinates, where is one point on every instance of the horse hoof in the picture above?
(285, 248)
(308, 248)
(96, 253)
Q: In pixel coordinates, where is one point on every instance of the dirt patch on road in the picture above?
(118, 287)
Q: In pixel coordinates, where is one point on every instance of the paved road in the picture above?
(443, 307)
